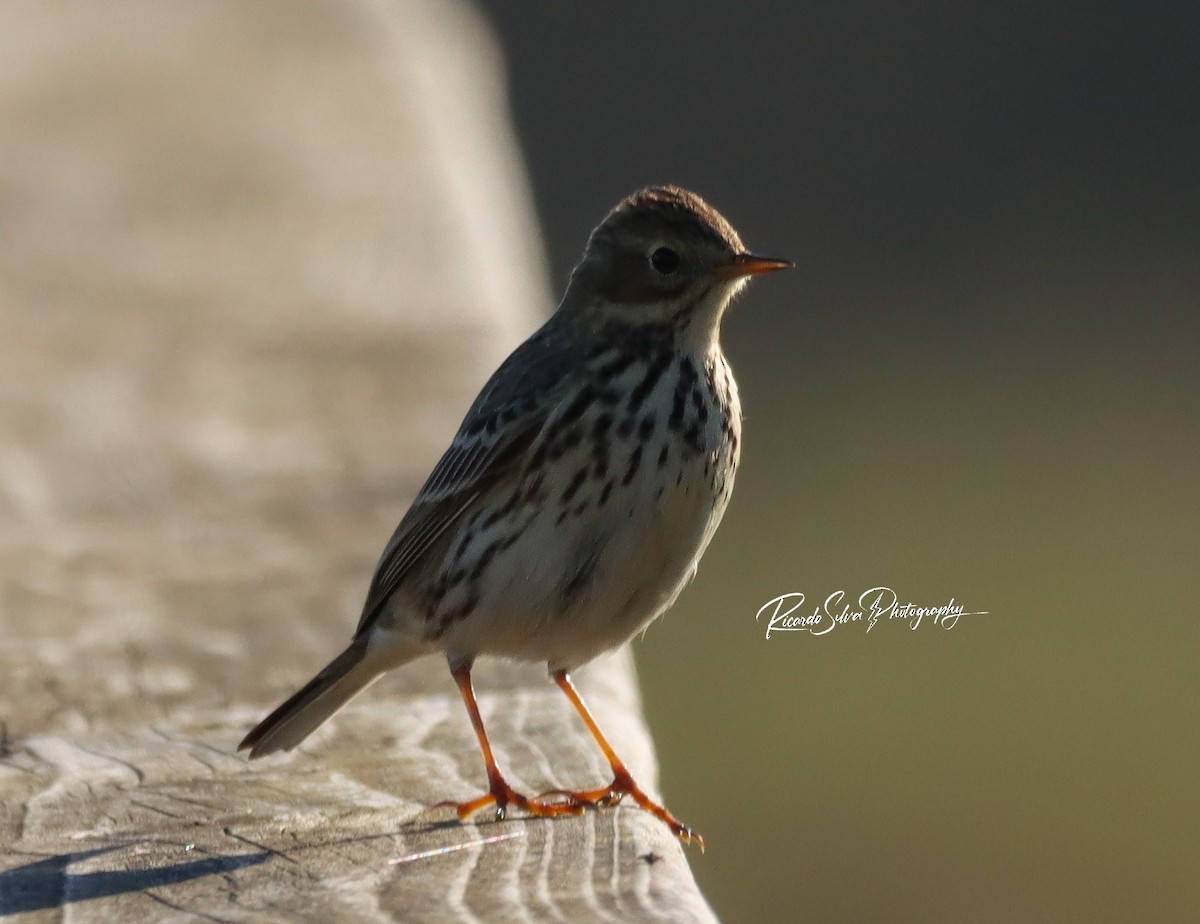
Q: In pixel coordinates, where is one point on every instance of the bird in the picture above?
(578, 495)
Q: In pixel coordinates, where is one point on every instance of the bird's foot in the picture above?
(502, 796)
(624, 785)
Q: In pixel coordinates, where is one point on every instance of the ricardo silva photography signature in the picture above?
(790, 613)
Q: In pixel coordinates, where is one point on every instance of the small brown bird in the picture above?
(579, 493)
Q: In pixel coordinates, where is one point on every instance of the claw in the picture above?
(623, 785)
(583, 800)
(502, 796)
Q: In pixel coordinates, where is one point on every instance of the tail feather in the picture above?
(341, 680)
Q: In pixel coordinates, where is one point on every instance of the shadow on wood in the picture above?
(48, 884)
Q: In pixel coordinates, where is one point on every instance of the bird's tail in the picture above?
(341, 680)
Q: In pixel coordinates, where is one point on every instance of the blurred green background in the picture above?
(980, 383)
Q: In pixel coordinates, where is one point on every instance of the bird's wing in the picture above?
(493, 438)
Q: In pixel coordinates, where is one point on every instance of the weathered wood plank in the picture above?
(255, 259)
(342, 826)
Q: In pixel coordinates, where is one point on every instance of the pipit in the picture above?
(579, 493)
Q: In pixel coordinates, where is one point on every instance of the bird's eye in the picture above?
(665, 260)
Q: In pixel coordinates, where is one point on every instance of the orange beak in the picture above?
(748, 264)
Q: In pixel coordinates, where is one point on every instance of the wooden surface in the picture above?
(255, 260)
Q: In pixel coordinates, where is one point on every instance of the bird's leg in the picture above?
(499, 792)
(623, 783)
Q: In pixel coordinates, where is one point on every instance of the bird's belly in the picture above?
(570, 587)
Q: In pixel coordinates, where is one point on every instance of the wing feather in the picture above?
(492, 440)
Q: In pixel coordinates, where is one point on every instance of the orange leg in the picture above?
(623, 783)
(499, 792)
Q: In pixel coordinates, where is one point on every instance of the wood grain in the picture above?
(255, 260)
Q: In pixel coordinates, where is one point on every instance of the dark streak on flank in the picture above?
(583, 572)
(576, 483)
(635, 460)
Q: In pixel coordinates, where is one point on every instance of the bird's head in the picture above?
(663, 255)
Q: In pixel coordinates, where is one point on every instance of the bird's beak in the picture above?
(748, 264)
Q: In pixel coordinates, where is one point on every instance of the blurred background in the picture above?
(980, 382)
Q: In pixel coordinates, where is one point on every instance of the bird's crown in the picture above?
(669, 212)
